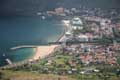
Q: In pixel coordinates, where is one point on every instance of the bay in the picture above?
(15, 31)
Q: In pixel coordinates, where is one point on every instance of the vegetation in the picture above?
(59, 67)
(23, 75)
(118, 60)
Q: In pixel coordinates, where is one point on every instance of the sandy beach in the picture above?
(42, 52)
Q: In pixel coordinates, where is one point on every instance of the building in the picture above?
(68, 34)
(118, 26)
(60, 11)
(76, 23)
(83, 38)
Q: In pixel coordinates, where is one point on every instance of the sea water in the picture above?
(16, 31)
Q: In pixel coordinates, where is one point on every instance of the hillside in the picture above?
(26, 7)
(21, 75)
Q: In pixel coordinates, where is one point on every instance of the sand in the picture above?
(42, 52)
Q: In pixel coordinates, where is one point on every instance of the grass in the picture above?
(22, 75)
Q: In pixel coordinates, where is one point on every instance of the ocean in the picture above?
(15, 31)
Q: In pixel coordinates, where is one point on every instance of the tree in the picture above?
(118, 60)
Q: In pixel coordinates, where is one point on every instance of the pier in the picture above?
(23, 46)
(8, 61)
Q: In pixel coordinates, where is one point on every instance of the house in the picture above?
(86, 58)
(60, 11)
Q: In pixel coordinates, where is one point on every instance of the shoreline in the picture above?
(44, 51)
(40, 52)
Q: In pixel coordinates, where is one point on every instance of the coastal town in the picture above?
(89, 47)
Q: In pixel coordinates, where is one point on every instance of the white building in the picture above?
(68, 33)
(77, 23)
(83, 38)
